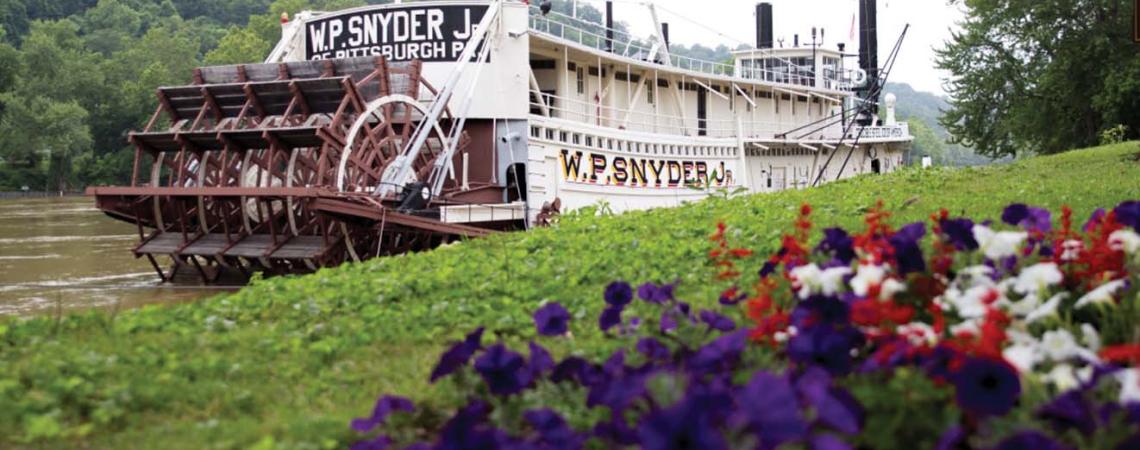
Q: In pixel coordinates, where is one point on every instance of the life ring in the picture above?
(860, 77)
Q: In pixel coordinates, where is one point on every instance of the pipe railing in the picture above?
(592, 35)
(596, 114)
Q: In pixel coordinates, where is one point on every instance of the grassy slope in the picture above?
(292, 360)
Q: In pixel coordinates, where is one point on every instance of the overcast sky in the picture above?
(930, 20)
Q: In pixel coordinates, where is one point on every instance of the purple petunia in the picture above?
(1071, 410)
(721, 354)
(384, 406)
(986, 387)
(552, 320)
(540, 361)
(653, 349)
(1015, 213)
(458, 355)
(650, 292)
(717, 321)
(619, 294)
(610, 317)
(770, 408)
(834, 406)
(839, 244)
(683, 426)
(553, 431)
(569, 369)
(668, 323)
(504, 371)
(1128, 213)
(826, 347)
(768, 269)
(908, 254)
(1094, 219)
(960, 233)
(1030, 440)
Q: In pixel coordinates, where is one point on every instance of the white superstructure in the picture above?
(561, 109)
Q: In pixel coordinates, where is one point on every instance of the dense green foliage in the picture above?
(287, 362)
(1041, 76)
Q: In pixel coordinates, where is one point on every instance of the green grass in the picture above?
(288, 362)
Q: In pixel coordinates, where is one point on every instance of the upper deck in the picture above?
(820, 70)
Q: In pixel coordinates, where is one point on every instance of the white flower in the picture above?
(805, 277)
(890, 288)
(1037, 277)
(1060, 345)
(1022, 356)
(867, 276)
(1129, 385)
(832, 279)
(1049, 309)
(1125, 240)
(1063, 376)
(977, 271)
(810, 278)
(1026, 306)
(971, 303)
(998, 245)
(1102, 294)
(918, 333)
(1090, 337)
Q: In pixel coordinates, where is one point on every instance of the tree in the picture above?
(41, 131)
(1041, 76)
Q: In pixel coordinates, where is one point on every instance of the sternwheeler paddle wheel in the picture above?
(282, 168)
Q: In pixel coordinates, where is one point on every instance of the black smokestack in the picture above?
(610, 26)
(869, 50)
(665, 33)
(764, 25)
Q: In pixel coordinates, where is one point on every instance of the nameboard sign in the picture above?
(399, 33)
(612, 170)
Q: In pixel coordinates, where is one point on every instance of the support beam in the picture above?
(711, 90)
(537, 91)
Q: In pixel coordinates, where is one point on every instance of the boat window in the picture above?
(577, 139)
(589, 141)
(562, 136)
(549, 134)
(581, 73)
(535, 132)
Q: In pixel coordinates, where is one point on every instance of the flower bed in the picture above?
(948, 333)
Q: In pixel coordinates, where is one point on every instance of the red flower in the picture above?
(1122, 354)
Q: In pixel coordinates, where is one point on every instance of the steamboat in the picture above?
(395, 128)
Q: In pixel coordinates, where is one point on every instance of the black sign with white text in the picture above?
(426, 33)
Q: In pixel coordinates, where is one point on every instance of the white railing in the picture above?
(595, 114)
(592, 35)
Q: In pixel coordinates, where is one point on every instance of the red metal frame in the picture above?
(241, 176)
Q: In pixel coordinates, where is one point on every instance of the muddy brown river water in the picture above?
(62, 253)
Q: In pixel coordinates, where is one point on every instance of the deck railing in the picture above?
(593, 36)
(596, 114)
